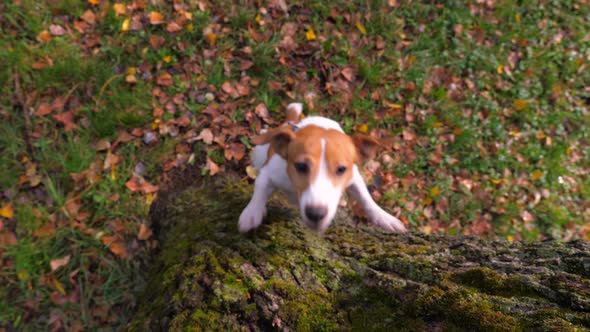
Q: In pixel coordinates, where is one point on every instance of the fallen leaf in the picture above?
(7, 239)
(165, 79)
(156, 18)
(45, 230)
(57, 30)
(537, 174)
(206, 136)
(125, 25)
(212, 167)
(251, 171)
(520, 104)
(261, 111)
(361, 27)
(115, 245)
(94, 2)
(59, 262)
(43, 109)
(44, 36)
(67, 119)
(144, 232)
(7, 211)
(120, 9)
(434, 191)
(310, 34)
(235, 151)
(173, 27)
(89, 17)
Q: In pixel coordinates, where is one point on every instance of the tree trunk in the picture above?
(207, 276)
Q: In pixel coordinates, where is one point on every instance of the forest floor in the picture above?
(483, 110)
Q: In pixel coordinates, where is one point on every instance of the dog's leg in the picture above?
(358, 190)
(252, 215)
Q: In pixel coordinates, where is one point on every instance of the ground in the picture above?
(482, 109)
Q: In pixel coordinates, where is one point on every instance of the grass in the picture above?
(487, 108)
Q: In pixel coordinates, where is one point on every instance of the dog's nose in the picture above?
(315, 213)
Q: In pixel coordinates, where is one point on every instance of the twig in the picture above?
(19, 107)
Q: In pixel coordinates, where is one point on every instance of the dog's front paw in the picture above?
(387, 222)
(251, 218)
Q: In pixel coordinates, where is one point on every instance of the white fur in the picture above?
(321, 192)
(273, 176)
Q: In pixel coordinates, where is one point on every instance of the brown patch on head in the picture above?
(304, 157)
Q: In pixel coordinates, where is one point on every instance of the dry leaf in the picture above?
(173, 27)
(212, 167)
(144, 232)
(165, 79)
(156, 18)
(89, 17)
(125, 25)
(206, 136)
(43, 109)
(44, 36)
(57, 30)
(7, 211)
(115, 245)
(59, 262)
(310, 35)
(67, 119)
(120, 9)
(7, 239)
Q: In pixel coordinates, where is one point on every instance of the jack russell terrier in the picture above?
(313, 162)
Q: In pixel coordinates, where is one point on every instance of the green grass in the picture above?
(455, 74)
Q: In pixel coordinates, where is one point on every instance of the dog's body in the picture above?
(313, 166)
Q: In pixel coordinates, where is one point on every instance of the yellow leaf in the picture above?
(59, 286)
(427, 201)
(23, 275)
(434, 191)
(190, 27)
(519, 104)
(510, 238)
(212, 38)
(517, 17)
(125, 25)
(500, 69)
(149, 198)
(362, 128)
(310, 35)
(113, 172)
(568, 150)
(427, 229)
(497, 181)
(167, 59)
(537, 174)
(361, 27)
(131, 71)
(94, 2)
(7, 211)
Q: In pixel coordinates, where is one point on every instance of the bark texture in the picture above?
(207, 276)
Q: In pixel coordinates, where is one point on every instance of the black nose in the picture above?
(315, 213)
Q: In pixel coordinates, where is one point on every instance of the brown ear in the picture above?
(279, 139)
(366, 146)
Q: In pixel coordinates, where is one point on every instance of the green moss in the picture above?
(491, 282)
(464, 309)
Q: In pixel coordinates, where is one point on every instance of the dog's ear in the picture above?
(366, 146)
(279, 139)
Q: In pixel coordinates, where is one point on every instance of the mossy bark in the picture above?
(284, 277)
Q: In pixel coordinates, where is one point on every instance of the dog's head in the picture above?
(320, 165)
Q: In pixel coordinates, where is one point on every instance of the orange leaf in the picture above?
(88, 16)
(7, 239)
(173, 27)
(7, 211)
(94, 2)
(156, 18)
(120, 9)
(59, 262)
(144, 232)
(212, 167)
(44, 36)
(165, 79)
(67, 119)
(115, 245)
(43, 109)
(537, 174)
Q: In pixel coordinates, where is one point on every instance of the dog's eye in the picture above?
(340, 170)
(301, 168)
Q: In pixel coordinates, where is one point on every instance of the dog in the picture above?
(312, 161)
